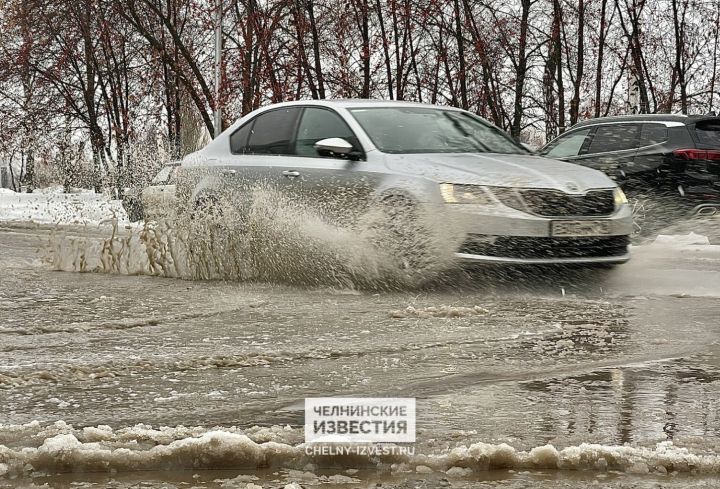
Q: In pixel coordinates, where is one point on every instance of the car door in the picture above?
(610, 149)
(257, 151)
(159, 197)
(337, 186)
(648, 167)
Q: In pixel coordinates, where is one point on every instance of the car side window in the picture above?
(317, 124)
(614, 137)
(653, 134)
(569, 145)
(238, 139)
(272, 132)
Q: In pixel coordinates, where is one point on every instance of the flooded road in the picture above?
(103, 376)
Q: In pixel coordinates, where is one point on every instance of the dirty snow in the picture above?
(32, 448)
(682, 239)
(49, 206)
(442, 311)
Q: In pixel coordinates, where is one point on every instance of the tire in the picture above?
(402, 231)
(206, 207)
(134, 209)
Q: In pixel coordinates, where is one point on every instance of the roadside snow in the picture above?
(682, 239)
(33, 448)
(681, 265)
(49, 206)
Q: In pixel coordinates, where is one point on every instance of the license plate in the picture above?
(580, 228)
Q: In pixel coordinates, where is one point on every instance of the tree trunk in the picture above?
(601, 52)
(521, 70)
(679, 30)
(459, 40)
(575, 102)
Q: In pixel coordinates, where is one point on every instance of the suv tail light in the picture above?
(697, 154)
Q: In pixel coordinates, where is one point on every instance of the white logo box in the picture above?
(360, 420)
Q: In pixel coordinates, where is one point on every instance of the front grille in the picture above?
(553, 203)
(545, 247)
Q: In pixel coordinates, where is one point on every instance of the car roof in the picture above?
(681, 118)
(361, 102)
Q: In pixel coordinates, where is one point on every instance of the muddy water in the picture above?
(623, 386)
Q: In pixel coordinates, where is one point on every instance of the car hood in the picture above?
(500, 170)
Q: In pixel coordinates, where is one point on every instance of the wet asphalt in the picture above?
(518, 356)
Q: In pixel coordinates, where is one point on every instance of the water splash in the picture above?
(275, 239)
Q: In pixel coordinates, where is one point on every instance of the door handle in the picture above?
(291, 173)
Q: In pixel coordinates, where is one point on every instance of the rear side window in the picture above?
(272, 132)
(568, 145)
(616, 137)
(653, 134)
(708, 133)
(239, 139)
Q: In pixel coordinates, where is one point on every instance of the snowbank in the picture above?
(32, 448)
(682, 239)
(48, 206)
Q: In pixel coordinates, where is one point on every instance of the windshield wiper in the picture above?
(456, 124)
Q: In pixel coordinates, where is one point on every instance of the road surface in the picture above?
(618, 370)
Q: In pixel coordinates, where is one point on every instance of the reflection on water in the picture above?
(632, 405)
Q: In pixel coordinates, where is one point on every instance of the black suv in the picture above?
(672, 160)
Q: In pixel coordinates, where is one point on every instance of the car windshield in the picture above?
(428, 130)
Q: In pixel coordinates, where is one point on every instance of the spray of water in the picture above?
(272, 239)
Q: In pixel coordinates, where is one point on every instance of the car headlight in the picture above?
(619, 197)
(464, 194)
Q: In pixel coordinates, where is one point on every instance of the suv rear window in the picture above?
(614, 137)
(653, 134)
(708, 133)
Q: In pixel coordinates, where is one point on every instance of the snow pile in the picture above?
(51, 207)
(442, 311)
(662, 459)
(59, 189)
(682, 239)
(31, 448)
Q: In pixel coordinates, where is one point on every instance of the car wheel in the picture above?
(207, 207)
(134, 210)
(403, 232)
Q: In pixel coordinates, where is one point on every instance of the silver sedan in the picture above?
(507, 205)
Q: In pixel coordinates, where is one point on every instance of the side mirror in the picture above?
(337, 146)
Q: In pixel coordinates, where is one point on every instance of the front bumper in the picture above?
(501, 234)
(609, 260)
